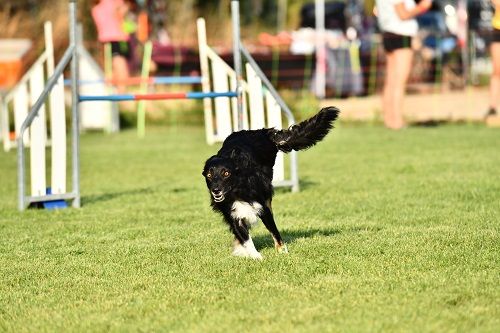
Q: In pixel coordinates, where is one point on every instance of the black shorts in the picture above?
(394, 41)
(495, 36)
(120, 49)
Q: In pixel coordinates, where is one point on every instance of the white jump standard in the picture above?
(35, 120)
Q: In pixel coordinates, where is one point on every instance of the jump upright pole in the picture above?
(319, 14)
(141, 107)
(70, 55)
(75, 123)
(235, 14)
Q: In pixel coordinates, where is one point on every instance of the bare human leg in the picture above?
(120, 72)
(402, 68)
(495, 78)
(387, 95)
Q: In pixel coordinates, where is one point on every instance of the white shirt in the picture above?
(389, 21)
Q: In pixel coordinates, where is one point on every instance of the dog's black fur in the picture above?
(239, 177)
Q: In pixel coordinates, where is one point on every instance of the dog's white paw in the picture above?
(247, 250)
(251, 250)
(239, 251)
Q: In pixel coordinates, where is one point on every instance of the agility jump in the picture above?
(225, 95)
(35, 121)
(230, 104)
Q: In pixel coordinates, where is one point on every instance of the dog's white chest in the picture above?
(246, 211)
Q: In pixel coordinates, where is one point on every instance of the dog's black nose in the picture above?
(216, 191)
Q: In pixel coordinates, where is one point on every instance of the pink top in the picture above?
(108, 21)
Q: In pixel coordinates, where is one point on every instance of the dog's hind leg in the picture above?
(268, 220)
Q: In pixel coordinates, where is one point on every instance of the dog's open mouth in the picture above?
(218, 197)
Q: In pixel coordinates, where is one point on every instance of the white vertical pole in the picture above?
(255, 99)
(58, 136)
(141, 106)
(49, 47)
(244, 108)
(4, 124)
(75, 120)
(57, 120)
(38, 135)
(205, 80)
(235, 18)
(21, 105)
(222, 104)
(234, 101)
(319, 11)
(274, 120)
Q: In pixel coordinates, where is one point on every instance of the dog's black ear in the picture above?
(207, 165)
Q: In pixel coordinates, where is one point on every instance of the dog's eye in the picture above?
(209, 175)
(226, 174)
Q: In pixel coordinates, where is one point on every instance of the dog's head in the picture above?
(219, 176)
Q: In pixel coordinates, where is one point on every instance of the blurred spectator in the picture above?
(343, 75)
(162, 35)
(495, 60)
(109, 18)
(396, 19)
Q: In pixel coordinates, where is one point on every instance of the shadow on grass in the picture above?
(290, 236)
(304, 184)
(428, 123)
(90, 199)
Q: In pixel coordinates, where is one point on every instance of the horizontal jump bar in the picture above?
(138, 97)
(139, 80)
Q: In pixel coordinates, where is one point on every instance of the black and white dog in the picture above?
(240, 176)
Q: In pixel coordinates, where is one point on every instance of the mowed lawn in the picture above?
(391, 232)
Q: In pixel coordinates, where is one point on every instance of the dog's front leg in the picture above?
(243, 244)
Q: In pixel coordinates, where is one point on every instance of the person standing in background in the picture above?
(396, 19)
(495, 61)
(109, 17)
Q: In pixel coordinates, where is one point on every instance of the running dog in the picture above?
(239, 178)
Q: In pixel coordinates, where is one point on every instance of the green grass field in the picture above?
(391, 232)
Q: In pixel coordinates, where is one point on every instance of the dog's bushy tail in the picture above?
(306, 133)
